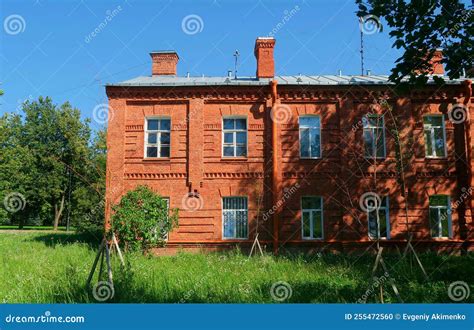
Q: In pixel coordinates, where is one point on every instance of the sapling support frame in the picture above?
(106, 248)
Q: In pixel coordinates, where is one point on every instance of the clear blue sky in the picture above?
(50, 51)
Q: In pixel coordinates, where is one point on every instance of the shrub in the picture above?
(142, 219)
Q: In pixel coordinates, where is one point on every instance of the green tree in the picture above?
(89, 199)
(419, 27)
(58, 141)
(142, 219)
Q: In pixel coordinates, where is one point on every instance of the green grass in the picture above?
(9, 227)
(53, 268)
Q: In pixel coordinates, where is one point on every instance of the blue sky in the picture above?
(50, 51)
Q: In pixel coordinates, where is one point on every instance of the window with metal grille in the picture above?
(235, 217)
(440, 216)
(312, 217)
(374, 136)
(310, 136)
(157, 137)
(234, 137)
(435, 136)
(379, 220)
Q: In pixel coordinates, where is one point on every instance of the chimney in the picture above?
(435, 62)
(264, 55)
(164, 62)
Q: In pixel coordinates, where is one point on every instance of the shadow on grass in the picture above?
(53, 239)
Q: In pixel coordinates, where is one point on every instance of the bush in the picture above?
(142, 219)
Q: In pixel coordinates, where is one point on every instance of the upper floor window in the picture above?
(374, 136)
(157, 137)
(440, 216)
(379, 220)
(310, 136)
(312, 217)
(235, 217)
(435, 137)
(235, 137)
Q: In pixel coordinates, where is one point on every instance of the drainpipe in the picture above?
(467, 102)
(275, 169)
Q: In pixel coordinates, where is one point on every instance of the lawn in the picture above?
(38, 267)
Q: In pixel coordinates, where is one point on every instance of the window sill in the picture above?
(231, 239)
(234, 159)
(311, 158)
(435, 158)
(158, 159)
(312, 239)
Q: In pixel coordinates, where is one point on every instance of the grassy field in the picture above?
(52, 268)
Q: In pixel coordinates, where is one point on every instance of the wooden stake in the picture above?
(96, 260)
(114, 241)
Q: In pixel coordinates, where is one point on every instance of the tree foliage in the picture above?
(419, 27)
(142, 219)
(48, 159)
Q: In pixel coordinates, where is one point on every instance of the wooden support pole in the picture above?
(96, 260)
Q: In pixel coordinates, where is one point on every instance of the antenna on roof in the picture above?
(236, 55)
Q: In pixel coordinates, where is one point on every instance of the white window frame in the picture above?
(311, 220)
(235, 213)
(234, 131)
(320, 137)
(432, 137)
(374, 141)
(158, 144)
(387, 219)
(440, 223)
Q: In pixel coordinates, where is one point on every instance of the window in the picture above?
(310, 136)
(312, 217)
(379, 220)
(235, 137)
(157, 137)
(374, 136)
(435, 138)
(235, 217)
(440, 216)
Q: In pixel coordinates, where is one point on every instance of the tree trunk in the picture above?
(58, 213)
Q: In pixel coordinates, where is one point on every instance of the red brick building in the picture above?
(305, 161)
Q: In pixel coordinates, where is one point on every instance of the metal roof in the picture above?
(321, 80)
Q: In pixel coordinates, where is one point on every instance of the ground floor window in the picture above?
(235, 217)
(440, 216)
(379, 220)
(312, 217)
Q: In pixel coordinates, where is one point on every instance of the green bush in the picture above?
(142, 219)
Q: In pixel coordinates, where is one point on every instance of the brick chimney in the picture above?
(435, 62)
(264, 54)
(164, 62)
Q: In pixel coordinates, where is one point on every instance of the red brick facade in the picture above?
(273, 171)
